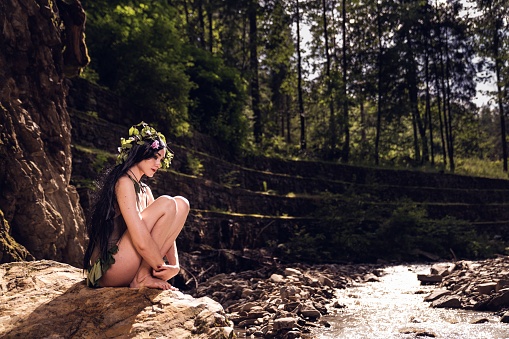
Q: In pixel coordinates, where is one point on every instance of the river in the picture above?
(394, 308)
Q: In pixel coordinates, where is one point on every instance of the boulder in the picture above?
(48, 299)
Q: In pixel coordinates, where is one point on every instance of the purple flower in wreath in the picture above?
(155, 144)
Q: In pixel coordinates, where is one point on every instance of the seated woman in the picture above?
(130, 232)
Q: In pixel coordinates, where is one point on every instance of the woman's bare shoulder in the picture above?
(123, 183)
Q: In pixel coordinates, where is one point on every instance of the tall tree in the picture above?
(332, 137)
(493, 33)
(276, 68)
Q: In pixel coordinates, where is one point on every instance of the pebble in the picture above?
(283, 301)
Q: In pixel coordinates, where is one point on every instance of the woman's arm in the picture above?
(140, 235)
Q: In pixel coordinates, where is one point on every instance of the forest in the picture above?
(366, 82)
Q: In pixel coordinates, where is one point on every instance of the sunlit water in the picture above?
(394, 308)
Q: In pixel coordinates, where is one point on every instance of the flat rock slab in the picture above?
(429, 278)
(49, 299)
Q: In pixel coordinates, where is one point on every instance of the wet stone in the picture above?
(481, 321)
(486, 288)
(447, 302)
(429, 278)
(289, 272)
(501, 284)
(285, 323)
(505, 318)
(418, 332)
(277, 278)
(437, 294)
(482, 285)
(281, 302)
(309, 311)
(442, 269)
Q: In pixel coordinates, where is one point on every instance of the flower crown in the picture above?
(141, 133)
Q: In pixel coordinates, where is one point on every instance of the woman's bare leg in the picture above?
(182, 212)
(172, 253)
(164, 222)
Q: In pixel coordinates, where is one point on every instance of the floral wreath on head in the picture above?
(139, 134)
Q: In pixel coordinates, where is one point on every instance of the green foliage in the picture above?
(194, 166)
(187, 65)
(230, 179)
(217, 100)
(101, 160)
(361, 228)
(136, 49)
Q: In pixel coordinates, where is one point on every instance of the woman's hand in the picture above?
(166, 272)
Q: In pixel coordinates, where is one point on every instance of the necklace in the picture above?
(138, 187)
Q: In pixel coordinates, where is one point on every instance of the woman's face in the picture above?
(150, 166)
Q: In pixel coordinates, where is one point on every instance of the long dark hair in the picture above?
(100, 225)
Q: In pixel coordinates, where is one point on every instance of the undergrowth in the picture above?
(361, 228)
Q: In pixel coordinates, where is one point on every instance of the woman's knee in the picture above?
(169, 204)
(182, 204)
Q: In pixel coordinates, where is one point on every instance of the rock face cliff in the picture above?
(40, 42)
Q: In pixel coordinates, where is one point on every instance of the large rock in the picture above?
(47, 299)
(35, 130)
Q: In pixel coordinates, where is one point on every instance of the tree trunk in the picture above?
(288, 118)
(211, 26)
(379, 89)
(417, 123)
(428, 119)
(253, 63)
(299, 85)
(346, 144)
(331, 149)
(500, 97)
(450, 139)
(201, 20)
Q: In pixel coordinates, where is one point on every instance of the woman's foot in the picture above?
(151, 282)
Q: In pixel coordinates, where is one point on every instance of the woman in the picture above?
(130, 232)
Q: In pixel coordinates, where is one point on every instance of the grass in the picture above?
(474, 167)
(481, 168)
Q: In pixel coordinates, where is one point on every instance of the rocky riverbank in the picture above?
(283, 302)
(473, 285)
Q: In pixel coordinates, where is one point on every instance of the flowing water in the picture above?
(394, 308)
